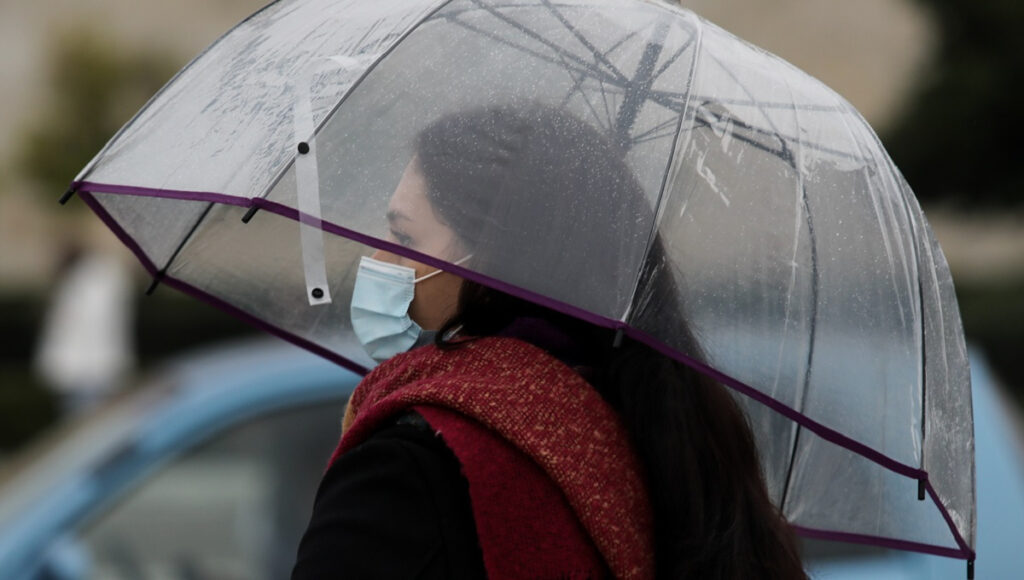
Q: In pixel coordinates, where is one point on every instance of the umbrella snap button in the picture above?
(303, 147)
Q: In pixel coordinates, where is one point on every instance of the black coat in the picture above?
(395, 506)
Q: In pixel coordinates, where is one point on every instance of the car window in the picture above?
(234, 507)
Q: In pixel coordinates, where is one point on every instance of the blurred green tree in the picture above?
(961, 137)
(95, 88)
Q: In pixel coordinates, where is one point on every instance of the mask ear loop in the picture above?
(438, 271)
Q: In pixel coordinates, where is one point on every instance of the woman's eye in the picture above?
(401, 238)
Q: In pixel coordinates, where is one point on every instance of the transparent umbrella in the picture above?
(739, 192)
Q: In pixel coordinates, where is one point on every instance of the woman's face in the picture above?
(412, 223)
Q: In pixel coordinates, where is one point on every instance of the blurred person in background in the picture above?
(85, 349)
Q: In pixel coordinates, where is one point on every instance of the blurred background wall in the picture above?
(939, 80)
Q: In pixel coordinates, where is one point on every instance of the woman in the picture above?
(528, 443)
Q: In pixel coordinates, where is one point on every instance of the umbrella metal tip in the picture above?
(248, 214)
(67, 195)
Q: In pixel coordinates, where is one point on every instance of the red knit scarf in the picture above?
(519, 421)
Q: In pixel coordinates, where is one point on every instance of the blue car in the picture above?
(206, 473)
(209, 471)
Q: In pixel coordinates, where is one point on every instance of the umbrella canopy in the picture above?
(688, 171)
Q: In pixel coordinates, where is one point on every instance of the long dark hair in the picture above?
(507, 180)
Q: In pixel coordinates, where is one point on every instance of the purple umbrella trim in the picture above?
(89, 186)
(86, 187)
(881, 542)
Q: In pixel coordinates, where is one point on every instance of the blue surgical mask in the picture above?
(380, 307)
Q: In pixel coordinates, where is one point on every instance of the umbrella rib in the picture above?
(576, 86)
(569, 68)
(557, 49)
(659, 127)
(672, 59)
(582, 93)
(604, 95)
(620, 42)
(744, 88)
(791, 159)
(914, 244)
(651, 137)
(780, 106)
(660, 202)
(920, 306)
(701, 123)
(586, 43)
(815, 279)
(657, 74)
(466, 10)
(604, 99)
(924, 350)
(639, 87)
(580, 65)
(920, 292)
(181, 245)
(586, 100)
(610, 50)
(667, 100)
(785, 138)
(771, 123)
